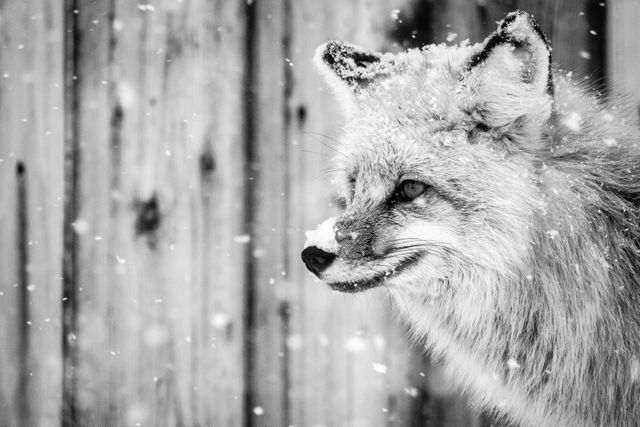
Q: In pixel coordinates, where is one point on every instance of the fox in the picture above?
(497, 200)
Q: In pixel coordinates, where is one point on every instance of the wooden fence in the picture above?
(159, 161)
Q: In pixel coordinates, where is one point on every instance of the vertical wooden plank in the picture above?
(568, 26)
(267, 381)
(70, 259)
(30, 218)
(80, 37)
(84, 184)
(622, 48)
(45, 199)
(222, 236)
(160, 307)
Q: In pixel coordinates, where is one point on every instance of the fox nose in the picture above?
(316, 259)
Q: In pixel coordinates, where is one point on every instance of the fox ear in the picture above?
(349, 69)
(510, 77)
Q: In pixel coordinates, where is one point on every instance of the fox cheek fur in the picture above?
(517, 262)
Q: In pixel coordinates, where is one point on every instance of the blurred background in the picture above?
(160, 161)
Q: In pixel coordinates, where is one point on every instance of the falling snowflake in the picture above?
(412, 391)
(242, 239)
(80, 226)
(294, 342)
(355, 345)
(219, 320)
(380, 368)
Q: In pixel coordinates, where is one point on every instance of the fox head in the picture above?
(436, 164)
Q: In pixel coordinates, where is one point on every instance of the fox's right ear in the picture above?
(349, 69)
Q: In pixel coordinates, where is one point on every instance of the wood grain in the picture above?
(31, 213)
(161, 162)
(160, 297)
(622, 48)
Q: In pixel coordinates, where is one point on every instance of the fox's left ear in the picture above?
(510, 76)
(350, 69)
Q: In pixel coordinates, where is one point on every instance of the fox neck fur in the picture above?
(554, 339)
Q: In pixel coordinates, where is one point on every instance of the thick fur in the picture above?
(519, 267)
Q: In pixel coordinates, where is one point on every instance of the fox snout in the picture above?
(321, 247)
(316, 259)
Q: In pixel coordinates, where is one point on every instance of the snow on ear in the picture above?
(510, 77)
(349, 69)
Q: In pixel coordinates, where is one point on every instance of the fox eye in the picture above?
(409, 190)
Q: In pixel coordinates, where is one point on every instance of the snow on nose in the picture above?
(323, 237)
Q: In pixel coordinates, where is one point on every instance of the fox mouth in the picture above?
(353, 286)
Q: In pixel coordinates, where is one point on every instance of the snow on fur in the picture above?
(524, 278)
